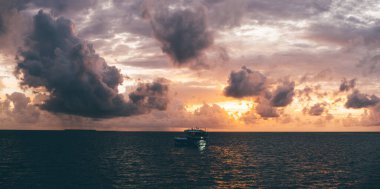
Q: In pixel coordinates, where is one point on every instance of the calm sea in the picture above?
(61, 159)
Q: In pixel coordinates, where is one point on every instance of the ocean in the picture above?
(85, 159)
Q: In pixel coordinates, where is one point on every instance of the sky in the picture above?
(168, 65)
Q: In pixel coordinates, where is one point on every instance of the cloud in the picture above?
(348, 33)
(126, 16)
(317, 109)
(225, 13)
(305, 93)
(370, 62)
(265, 109)
(22, 111)
(1, 84)
(287, 9)
(323, 75)
(79, 81)
(15, 21)
(347, 85)
(245, 83)
(248, 83)
(269, 102)
(182, 33)
(358, 100)
(151, 95)
(59, 6)
(283, 95)
(12, 28)
(210, 116)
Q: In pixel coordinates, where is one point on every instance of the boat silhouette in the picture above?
(194, 137)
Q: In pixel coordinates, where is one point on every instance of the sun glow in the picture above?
(235, 109)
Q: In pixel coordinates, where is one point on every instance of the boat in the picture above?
(195, 137)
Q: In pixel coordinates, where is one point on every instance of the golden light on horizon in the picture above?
(235, 109)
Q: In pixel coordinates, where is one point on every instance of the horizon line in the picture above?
(165, 131)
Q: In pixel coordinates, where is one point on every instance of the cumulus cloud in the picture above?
(151, 95)
(79, 81)
(270, 101)
(265, 109)
(210, 111)
(182, 33)
(249, 83)
(210, 116)
(358, 100)
(283, 95)
(317, 109)
(245, 83)
(18, 107)
(347, 85)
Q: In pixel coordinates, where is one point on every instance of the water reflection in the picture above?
(202, 145)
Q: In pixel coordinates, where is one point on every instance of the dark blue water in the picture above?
(58, 159)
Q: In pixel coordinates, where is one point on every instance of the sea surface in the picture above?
(83, 159)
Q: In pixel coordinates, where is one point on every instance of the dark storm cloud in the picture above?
(79, 81)
(358, 100)
(151, 95)
(2, 25)
(347, 85)
(245, 83)
(182, 33)
(283, 95)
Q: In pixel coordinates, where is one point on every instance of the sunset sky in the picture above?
(241, 65)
